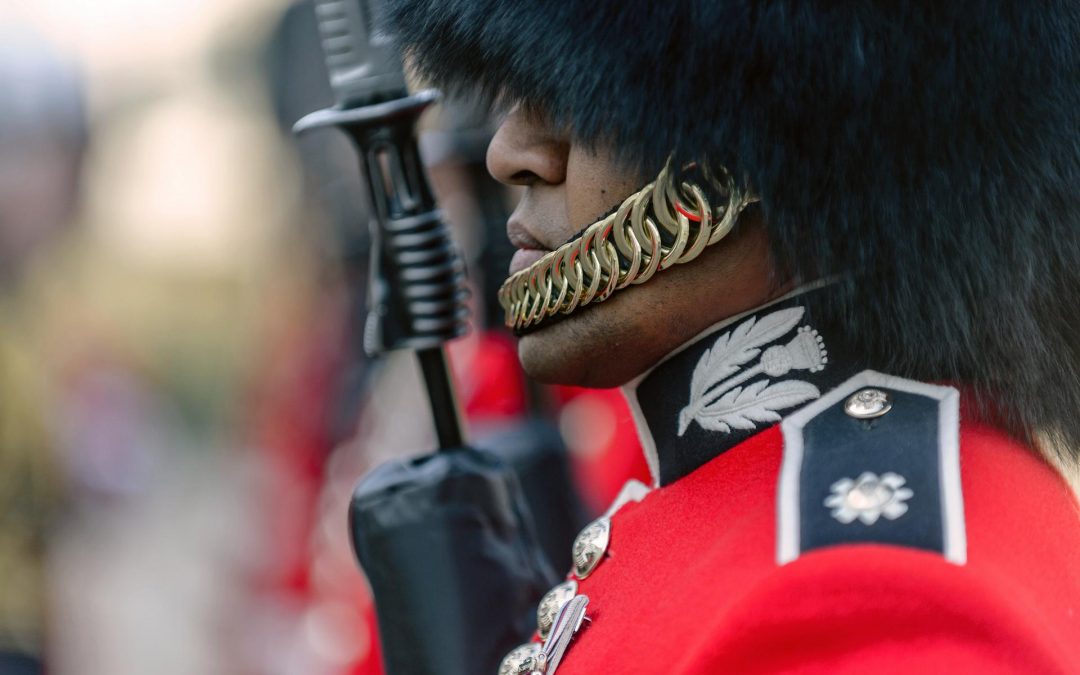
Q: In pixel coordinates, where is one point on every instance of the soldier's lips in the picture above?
(525, 257)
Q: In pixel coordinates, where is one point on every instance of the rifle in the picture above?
(446, 540)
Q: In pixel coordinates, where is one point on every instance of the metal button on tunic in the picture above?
(590, 546)
(521, 661)
(550, 605)
(867, 404)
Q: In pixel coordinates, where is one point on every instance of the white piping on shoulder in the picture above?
(788, 546)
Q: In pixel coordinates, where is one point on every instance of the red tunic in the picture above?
(690, 582)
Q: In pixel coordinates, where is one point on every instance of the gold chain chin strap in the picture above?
(624, 248)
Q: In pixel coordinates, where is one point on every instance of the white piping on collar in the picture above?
(629, 390)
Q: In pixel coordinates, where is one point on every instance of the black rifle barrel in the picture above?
(446, 539)
(417, 277)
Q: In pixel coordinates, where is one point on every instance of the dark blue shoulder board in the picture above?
(875, 460)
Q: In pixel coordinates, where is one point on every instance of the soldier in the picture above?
(843, 307)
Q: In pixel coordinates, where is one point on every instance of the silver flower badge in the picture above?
(869, 497)
(719, 402)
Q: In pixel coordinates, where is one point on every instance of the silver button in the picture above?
(590, 546)
(550, 605)
(521, 661)
(867, 404)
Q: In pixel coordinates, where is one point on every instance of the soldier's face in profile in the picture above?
(567, 186)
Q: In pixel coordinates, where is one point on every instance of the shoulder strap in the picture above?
(875, 460)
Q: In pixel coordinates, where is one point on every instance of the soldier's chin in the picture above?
(591, 348)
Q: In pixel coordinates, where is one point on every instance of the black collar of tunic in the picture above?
(735, 380)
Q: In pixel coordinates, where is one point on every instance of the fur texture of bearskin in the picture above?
(929, 151)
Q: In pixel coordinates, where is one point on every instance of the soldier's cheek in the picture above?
(596, 184)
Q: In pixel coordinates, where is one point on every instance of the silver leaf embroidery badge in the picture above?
(719, 402)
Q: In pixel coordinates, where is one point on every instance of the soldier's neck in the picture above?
(734, 380)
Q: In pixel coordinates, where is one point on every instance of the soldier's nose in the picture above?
(526, 150)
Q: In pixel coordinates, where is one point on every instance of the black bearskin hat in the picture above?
(927, 152)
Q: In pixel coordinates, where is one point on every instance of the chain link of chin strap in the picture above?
(623, 249)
